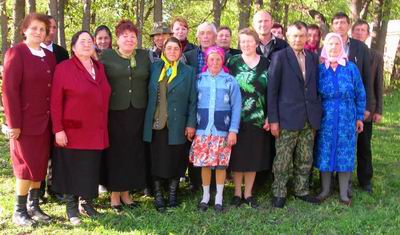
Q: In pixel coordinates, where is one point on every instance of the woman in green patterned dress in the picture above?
(252, 152)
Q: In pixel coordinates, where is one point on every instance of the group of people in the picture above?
(133, 119)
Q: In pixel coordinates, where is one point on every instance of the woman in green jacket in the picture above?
(170, 119)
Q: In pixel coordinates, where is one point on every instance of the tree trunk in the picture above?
(244, 15)
(217, 8)
(258, 5)
(286, 18)
(355, 8)
(380, 24)
(32, 6)
(364, 10)
(53, 9)
(275, 9)
(139, 20)
(158, 11)
(376, 23)
(395, 78)
(18, 16)
(61, 26)
(86, 15)
(4, 29)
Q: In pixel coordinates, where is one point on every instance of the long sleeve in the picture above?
(274, 80)
(366, 76)
(56, 100)
(236, 106)
(13, 77)
(359, 94)
(378, 84)
(192, 108)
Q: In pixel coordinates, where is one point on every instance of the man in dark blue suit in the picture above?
(294, 114)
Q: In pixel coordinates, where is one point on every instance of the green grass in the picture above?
(378, 213)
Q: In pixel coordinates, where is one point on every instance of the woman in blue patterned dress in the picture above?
(343, 105)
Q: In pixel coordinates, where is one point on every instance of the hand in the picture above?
(377, 118)
(366, 114)
(274, 129)
(359, 126)
(266, 126)
(232, 139)
(14, 133)
(61, 139)
(189, 133)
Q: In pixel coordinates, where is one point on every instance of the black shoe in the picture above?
(251, 201)
(278, 202)
(54, 195)
(218, 208)
(203, 206)
(34, 209)
(87, 208)
(132, 205)
(159, 203)
(173, 188)
(367, 188)
(21, 216)
(72, 209)
(117, 208)
(310, 199)
(236, 201)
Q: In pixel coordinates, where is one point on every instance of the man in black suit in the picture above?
(294, 114)
(60, 53)
(360, 31)
(358, 53)
(224, 37)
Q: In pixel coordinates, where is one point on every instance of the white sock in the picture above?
(220, 194)
(206, 194)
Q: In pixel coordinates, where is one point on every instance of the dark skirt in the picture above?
(253, 150)
(76, 172)
(124, 160)
(167, 161)
(30, 155)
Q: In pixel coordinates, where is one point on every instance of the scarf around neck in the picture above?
(169, 70)
(131, 58)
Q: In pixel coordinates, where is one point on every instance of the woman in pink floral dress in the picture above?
(218, 118)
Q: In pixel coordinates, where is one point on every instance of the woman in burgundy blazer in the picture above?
(28, 72)
(79, 111)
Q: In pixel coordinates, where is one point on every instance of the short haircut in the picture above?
(314, 27)
(75, 38)
(277, 25)
(360, 22)
(341, 15)
(250, 32)
(180, 20)
(225, 28)
(124, 25)
(298, 25)
(31, 17)
(262, 11)
(174, 40)
(206, 24)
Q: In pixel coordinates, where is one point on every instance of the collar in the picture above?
(302, 52)
(273, 39)
(40, 53)
(48, 47)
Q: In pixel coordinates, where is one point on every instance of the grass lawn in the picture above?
(370, 214)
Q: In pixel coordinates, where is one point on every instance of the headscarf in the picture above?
(169, 70)
(340, 59)
(219, 51)
(131, 58)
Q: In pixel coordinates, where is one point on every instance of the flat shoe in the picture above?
(132, 205)
(202, 206)
(236, 201)
(346, 203)
(218, 208)
(117, 208)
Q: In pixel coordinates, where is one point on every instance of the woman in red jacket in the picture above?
(28, 72)
(79, 111)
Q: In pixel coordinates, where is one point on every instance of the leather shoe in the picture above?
(310, 199)
(218, 208)
(251, 201)
(202, 206)
(278, 202)
(236, 201)
(132, 205)
(345, 202)
(367, 188)
(117, 208)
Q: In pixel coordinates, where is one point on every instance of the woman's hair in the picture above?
(181, 21)
(31, 17)
(124, 25)
(250, 32)
(101, 28)
(75, 38)
(172, 39)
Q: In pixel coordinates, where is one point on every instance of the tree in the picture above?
(18, 16)
(4, 28)
(395, 78)
(32, 6)
(86, 15)
(158, 11)
(217, 8)
(139, 20)
(61, 26)
(359, 9)
(244, 15)
(258, 4)
(380, 24)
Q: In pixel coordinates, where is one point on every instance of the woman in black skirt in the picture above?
(79, 103)
(170, 119)
(252, 153)
(128, 71)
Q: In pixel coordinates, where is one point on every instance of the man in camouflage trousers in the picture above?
(294, 113)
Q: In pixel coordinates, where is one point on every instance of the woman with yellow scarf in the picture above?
(170, 120)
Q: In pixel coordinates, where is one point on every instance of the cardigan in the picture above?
(79, 105)
(181, 103)
(26, 89)
(218, 104)
(129, 85)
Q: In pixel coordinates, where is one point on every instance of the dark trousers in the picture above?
(364, 156)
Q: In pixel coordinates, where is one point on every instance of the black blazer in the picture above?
(291, 100)
(277, 45)
(359, 54)
(190, 58)
(60, 53)
(377, 81)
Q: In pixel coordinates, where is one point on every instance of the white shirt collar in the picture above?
(48, 47)
(39, 53)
